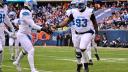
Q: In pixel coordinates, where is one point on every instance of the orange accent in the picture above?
(41, 34)
(33, 37)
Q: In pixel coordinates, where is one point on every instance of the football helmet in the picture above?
(81, 4)
(73, 4)
(28, 5)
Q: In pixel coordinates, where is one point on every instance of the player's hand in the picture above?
(48, 29)
(54, 27)
(97, 38)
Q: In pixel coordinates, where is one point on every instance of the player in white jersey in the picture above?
(4, 19)
(12, 39)
(84, 21)
(77, 50)
(16, 41)
(25, 26)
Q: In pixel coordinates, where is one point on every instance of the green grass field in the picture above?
(62, 59)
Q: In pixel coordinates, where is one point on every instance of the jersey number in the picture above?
(81, 22)
(2, 18)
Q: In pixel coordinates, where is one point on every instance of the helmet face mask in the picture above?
(81, 5)
(28, 5)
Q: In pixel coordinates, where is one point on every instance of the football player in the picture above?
(4, 19)
(12, 39)
(84, 21)
(77, 50)
(23, 35)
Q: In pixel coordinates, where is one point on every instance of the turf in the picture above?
(62, 59)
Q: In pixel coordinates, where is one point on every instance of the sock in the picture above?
(16, 51)
(86, 69)
(11, 50)
(21, 55)
(31, 59)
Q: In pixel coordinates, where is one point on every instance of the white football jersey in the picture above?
(82, 22)
(26, 22)
(68, 13)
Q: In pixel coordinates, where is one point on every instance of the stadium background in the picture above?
(112, 18)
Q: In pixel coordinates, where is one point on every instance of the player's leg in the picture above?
(21, 39)
(1, 52)
(76, 41)
(94, 45)
(28, 47)
(85, 40)
(17, 48)
(11, 48)
(2, 43)
(78, 58)
(89, 53)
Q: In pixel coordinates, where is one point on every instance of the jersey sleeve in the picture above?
(68, 12)
(8, 22)
(32, 24)
(6, 9)
(26, 16)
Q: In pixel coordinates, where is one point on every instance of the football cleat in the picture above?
(17, 66)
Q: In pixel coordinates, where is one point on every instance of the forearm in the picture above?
(6, 31)
(36, 27)
(64, 23)
(96, 28)
(9, 24)
(32, 24)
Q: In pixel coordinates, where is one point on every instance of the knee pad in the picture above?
(82, 50)
(78, 55)
(24, 52)
(1, 51)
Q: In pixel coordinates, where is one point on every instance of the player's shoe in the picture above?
(97, 57)
(90, 62)
(17, 66)
(79, 66)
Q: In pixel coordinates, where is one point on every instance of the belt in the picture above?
(90, 31)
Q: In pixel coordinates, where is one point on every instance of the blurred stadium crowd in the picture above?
(54, 12)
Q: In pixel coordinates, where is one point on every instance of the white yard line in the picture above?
(10, 67)
(121, 60)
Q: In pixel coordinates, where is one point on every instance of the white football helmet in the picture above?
(73, 4)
